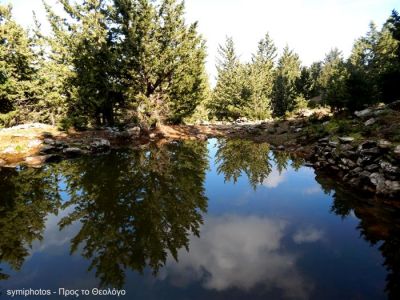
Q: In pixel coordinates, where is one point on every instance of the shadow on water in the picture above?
(137, 207)
(379, 224)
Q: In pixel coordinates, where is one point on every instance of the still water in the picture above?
(190, 220)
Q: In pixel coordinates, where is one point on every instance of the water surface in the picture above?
(192, 220)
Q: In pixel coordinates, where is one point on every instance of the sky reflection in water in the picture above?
(257, 225)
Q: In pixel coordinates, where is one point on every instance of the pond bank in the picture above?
(362, 150)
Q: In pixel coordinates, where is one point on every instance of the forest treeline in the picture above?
(113, 62)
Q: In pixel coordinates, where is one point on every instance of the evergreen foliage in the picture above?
(17, 70)
(287, 74)
(111, 62)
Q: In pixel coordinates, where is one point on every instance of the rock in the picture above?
(73, 152)
(152, 135)
(385, 187)
(348, 162)
(389, 169)
(365, 175)
(396, 151)
(383, 144)
(123, 135)
(134, 131)
(346, 139)
(355, 182)
(367, 145)
(2, 162)
(100, 145)
(36, 160)
(372, 168)
(371, 151)
(252, 130)
(202, 137)
(48, 141)
(324, 140)
(297, 130)
(364, 161)
(34, 143)
(60, 144)
(53, 158)
(346, 147)
(241, 120)
(47, 135)
(364, 113)
(394, 105)
(47, 149)
(332, 162)
(349, 154)
(391, 188)
(10, 150)
(333, 144)
(370, 122)
(355, 171)
(380, 112)
(281, 147)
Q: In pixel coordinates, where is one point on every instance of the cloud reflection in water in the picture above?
(240, 252)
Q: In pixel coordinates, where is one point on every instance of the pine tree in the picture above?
(333, 79)
(389, 56)
(16, 70)
(307, 84)
(260, 80)
(227, 98)
(164, 72)
(285, 92)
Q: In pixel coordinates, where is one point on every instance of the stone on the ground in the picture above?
(394, 105)
(47, 149)
(396, 151)
(346, 139)
(134, 131)
(34, 143)
(73, 152)
(389, 169)
(48, 141)
(367, 145)
(383, 144)
(100, 145)
(333, 143)
(2, 162)
(364, 113)
(370, 122)
(36, 160)
(202, 137)
(10, 150)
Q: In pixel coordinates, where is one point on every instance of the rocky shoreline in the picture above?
(371, 166)
(367, 165)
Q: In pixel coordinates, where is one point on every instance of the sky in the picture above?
(310, 27)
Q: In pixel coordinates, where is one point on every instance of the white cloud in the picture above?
(307, 235)
(312, 190)
(274, 179)
(241, 252)
(55, 240)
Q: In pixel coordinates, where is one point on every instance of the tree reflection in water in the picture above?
(27, 197)
(379, 225)
(235, 157)
(136, 206)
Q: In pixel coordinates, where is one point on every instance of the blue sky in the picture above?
(310, 27)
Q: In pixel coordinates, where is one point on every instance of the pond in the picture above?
(223, 219)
